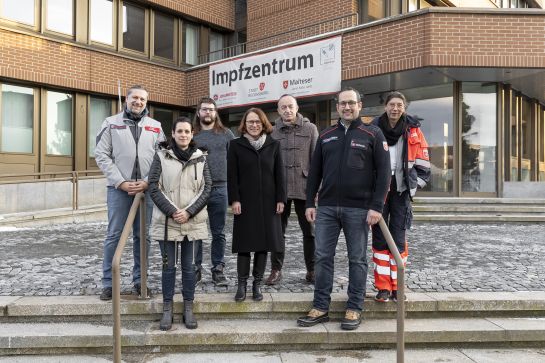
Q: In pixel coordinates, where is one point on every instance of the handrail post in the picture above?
(400, 291)
(143, 249)
(75, 190)
(116, 276)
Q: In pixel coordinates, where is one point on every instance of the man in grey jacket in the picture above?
(125, 146)
(297, 136)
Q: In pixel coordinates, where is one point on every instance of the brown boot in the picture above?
(274, 278)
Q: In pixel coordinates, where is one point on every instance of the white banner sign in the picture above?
(303, 70)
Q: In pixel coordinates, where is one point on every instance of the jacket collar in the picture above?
(279, 123)
(244, 142)
(353, 124)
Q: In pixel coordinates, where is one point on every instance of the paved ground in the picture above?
(67, 259)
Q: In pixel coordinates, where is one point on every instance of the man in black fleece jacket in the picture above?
(351, 169)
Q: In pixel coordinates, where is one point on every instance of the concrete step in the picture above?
(469, 201)
(483, 208)
(479, 217)
(274, 306)
(268, 335)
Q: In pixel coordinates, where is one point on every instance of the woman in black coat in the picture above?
(257, 196)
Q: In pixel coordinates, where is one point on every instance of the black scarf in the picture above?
(133, 117)
(182, 155)
(392, 135)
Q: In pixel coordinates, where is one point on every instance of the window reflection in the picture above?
(59, 123)
(17, 118)
(478, 136)
(165, 117)
(526, 138)
(216, 46)
(101, 20)
(18, 10)
(60, 16)
(434, 107)
(100, 108)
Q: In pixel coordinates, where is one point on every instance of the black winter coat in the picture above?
(255, 179)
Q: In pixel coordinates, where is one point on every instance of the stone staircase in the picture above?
(83, 324)
(499, 210)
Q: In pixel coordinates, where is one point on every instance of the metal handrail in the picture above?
(139, 202)
(241, 48)
(400, 291)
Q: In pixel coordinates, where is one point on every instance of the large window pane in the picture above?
(163, 39)
(191, 44)
(478, 134)
(60, 16)
(134, 28)
(514, 169)
(17, 119)
(18, 10)
(434, 107)
(101, 21)
(216, 46)
(100, 108)
(59, 123)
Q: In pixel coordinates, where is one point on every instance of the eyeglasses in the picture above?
(205, 109)
(347, 103)
(251, 122)
(393, 106)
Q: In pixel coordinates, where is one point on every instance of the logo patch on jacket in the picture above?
(118, 127)
(157, 130)
(332, 138)
(425, 152)
(357, 145)
(385, 145)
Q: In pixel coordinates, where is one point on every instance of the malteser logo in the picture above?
(262, 86)
(285, 84)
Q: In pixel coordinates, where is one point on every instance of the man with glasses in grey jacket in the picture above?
(125, 146)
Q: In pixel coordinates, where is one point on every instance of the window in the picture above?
(99, 109)
(59, 123)
(165, 116)
(514, 170)
(191, 44)
(101, 19)
(478, 137)
(17, 118)
(216, 46)
(60, 16)
(163, 36)
(526, 139)
(134, 28)
(22, 11)
(375, 10)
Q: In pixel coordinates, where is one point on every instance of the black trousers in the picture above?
(243, 265)
(277, 258)
(398, 215)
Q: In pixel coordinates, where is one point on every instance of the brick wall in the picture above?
(445, 40)
(51, 63)
(219, 12)
(266, 18)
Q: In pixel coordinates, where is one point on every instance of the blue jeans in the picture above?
(217, 210)
(168, 277)
(119, 204)
(329, 222)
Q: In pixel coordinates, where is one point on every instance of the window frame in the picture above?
(19, 24)
(120, 46)
(115, 11)
(175, 40)
(46, 30)
(36, 104)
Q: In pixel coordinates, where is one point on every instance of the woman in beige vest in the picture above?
(180, 184)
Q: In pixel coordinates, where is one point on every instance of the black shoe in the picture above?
(383, 296)
(198, 275)
(218, 277)
(189, 318)
(257, 295)
(394, 296)
(138, 290)
(313, 317)
(166, 320)
(106, 294)
(241, 291)
(352, 320)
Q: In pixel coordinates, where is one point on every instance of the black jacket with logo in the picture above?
(352, 166)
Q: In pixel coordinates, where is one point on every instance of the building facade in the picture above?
(474, 75)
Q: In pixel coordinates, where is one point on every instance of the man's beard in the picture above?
(208, 121)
